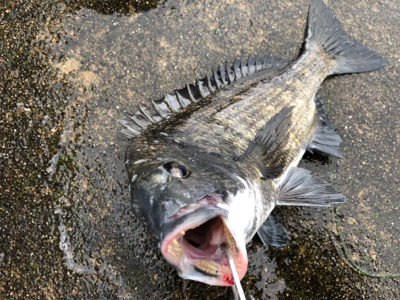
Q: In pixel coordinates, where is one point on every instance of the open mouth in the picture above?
(197, 248)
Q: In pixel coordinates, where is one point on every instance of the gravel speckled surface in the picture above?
(69, 69)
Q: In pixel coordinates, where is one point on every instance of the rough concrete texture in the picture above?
(69, 69)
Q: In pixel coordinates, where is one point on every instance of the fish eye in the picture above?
(177, 170)
(182, 171)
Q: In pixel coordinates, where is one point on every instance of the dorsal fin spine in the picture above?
(217, 81)
(243, 67)
(266, 62)
(191, 98)
(180, 99)
(158, 110)
(199, 85)
(224, 77)
(136, 121)
(146, 115)
(259, 63)
(231, 75)
(129, 130)
(236, 69)
(251, 64)
(210, 87)
(169, 103)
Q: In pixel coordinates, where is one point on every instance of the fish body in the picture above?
(208, 164)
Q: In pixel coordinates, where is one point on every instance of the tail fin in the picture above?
(327, 31)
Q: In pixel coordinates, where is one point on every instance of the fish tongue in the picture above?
(217, 236)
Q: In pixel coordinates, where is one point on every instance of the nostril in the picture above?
(168, 166)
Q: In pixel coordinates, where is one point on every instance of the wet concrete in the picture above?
(68, 70)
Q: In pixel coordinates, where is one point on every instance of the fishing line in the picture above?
(337, 221)
(344, 247)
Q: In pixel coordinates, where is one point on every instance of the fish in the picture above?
(209, 162)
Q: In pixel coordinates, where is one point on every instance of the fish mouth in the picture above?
(196, 246)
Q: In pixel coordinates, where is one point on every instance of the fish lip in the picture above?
(173, 231)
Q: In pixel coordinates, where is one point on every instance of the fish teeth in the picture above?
(229, 238)
(209, 266)
(175, 249)
(232, 246)
(178, 254)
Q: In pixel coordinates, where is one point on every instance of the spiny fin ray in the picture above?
(194, 92)
(172, 102)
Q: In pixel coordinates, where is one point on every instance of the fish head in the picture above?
(198, 205)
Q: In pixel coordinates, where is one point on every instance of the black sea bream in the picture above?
(208, 163)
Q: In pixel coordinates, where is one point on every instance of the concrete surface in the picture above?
(69, 69)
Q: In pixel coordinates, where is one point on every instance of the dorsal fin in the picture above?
(193, 92)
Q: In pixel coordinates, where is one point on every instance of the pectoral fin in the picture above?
(272, 232)
(269, 147)
(302, 188)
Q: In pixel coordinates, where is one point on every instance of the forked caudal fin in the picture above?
(327, 31)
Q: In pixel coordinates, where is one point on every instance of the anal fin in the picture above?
(272, 232)
(326, 140)
(302, 188)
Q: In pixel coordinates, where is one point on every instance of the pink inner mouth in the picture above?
(204, 241)
(198, 245)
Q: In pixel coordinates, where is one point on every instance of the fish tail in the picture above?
(326, 31)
